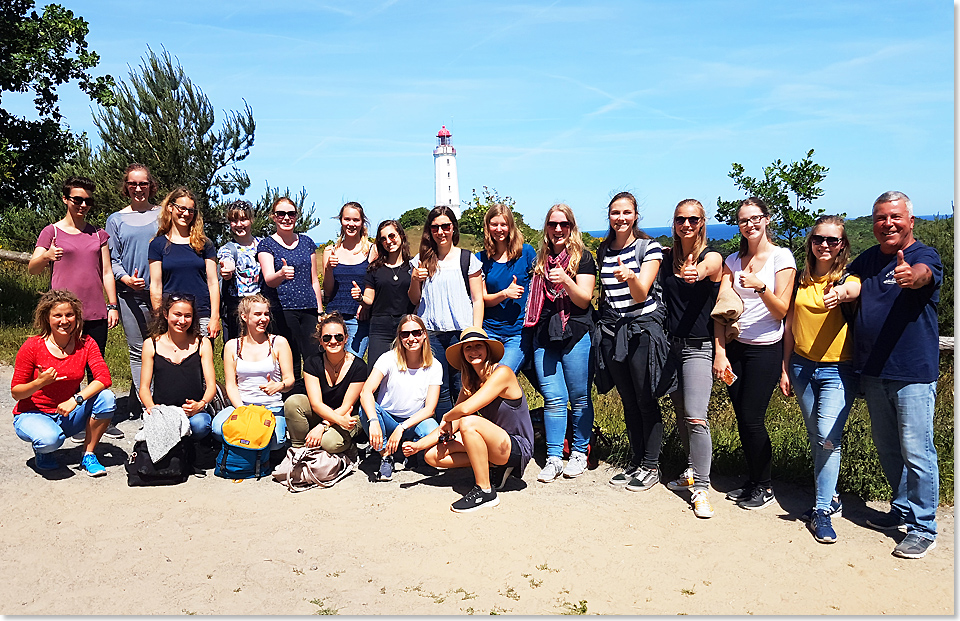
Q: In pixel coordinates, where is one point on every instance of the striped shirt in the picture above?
(616, 293)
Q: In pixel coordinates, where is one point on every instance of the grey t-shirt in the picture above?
(130, 234)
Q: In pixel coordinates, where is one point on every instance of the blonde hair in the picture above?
(839, 261)
(514, 236)
(575, 247)
(244, 307)
(50, 299)
(426, 354)
(701, 242)
(197, 239)
(364, 234)
(470, 380)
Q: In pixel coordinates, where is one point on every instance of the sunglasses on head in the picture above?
(681, 220)
(181, 297)
(336, 337)
(408, 333)
(816, 240)
(80, 200)
(446, 227)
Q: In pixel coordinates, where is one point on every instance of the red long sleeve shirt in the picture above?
(34, 357)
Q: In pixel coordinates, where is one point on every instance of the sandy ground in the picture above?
(74, 545)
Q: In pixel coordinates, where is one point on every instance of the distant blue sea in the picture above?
(715, 231)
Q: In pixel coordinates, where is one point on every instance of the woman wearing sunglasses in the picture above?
(690, 278)
(257, 367)
(817, 362)
(131, 230)
(446, 285)
(762, 274)
(288, 265)
(560, 311)
(385, 287)
(183, 260)
(178, 363)
(406, 381)
(327, 415)
(344, 268)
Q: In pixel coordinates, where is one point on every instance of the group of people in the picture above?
(446, 332)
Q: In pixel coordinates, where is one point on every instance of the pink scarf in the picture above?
(541, 289)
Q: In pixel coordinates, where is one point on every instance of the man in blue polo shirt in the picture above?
(896, 352)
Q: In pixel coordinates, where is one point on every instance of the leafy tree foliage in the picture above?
(163, 120)
(263, 223)
(938, 234)
(38, 53)
(788, 190)
(414, 217)
(480, 204)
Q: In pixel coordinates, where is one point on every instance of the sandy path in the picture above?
(209, 546)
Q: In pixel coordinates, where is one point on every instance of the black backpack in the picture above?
(174, 468)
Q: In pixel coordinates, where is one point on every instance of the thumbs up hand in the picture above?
(749, 280)
(54, 252)
(689, 270)
(513, 290)
(355, 291)
(622, 272)
(286, 270)
(135, 282)
(903, 273)
(830, 296)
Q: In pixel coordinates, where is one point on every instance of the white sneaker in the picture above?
(684, 481)
(701, 504)
(576, 465)
(551, 470)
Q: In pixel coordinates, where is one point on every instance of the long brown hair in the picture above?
(382, 253)
(364, 235)
(756, 202)
(472, 381)
(197, 238)
(154, 186)
(50, 299)
(611, 234)
(428, 246)
(839, 262)
(514, 235)
(161, 323)
(575, 247)
(701, 241)
(426, 354)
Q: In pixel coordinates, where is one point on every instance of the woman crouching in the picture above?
(489, 427)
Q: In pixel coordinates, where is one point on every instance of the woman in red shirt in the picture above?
(46, 384)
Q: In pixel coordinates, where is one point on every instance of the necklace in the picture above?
(63, 351)
(336, 370)
(396, 272)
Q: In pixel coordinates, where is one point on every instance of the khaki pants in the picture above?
(301, 419)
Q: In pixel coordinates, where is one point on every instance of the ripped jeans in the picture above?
(825, 393)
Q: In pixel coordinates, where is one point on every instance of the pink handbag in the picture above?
(308, 467)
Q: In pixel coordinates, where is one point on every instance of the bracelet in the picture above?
(111, 307)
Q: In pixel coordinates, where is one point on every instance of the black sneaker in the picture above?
(476, 499)
(499, 475)
(741, 493)
(622, 478)
(892, 520)
(836, 510)
(113, 432)
(760, 497)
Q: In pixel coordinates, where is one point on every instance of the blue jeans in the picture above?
(47, 432)
(388, 425)
(566, 377)
(450, 388)
(358, 335)
(825, 393)
(517, 348)
(279, 432)
(200, 424)
(901, 414)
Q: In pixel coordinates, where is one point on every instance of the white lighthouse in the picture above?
(445, 172)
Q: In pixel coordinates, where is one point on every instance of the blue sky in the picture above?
(561, 101)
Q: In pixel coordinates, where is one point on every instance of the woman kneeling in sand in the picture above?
(488, 429)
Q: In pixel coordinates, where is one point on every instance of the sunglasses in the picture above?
(138, 184)
(280, 215)
(446, 227)
(562, 225)
(185, 210)
(404, 334)
(752, 220)
(817, 240)
(390, 237)
(80, 200)
(326, 338)
(181, 297)
(681, 220)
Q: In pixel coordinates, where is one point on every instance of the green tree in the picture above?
(38, 53)
(480, 204)
(414, 217)
(938, 234)
(262, 222)
(163, 120)
(788, 190)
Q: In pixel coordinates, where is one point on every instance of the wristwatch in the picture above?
(761, 291)
(79, 399)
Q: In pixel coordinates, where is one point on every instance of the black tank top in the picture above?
(173, 383)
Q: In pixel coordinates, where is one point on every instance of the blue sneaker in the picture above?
(836, 509)
(92, 465)
(821, 527)
(385, 473)
(45, 461)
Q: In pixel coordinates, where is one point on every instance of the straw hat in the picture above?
(469, 335)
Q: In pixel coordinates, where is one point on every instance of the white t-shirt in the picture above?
(403, 393)
(757, 325)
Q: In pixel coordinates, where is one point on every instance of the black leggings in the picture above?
(299, 327)
(758, 370)
(641, 412)
(97, 330)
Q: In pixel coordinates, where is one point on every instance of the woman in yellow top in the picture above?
(817, 362)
